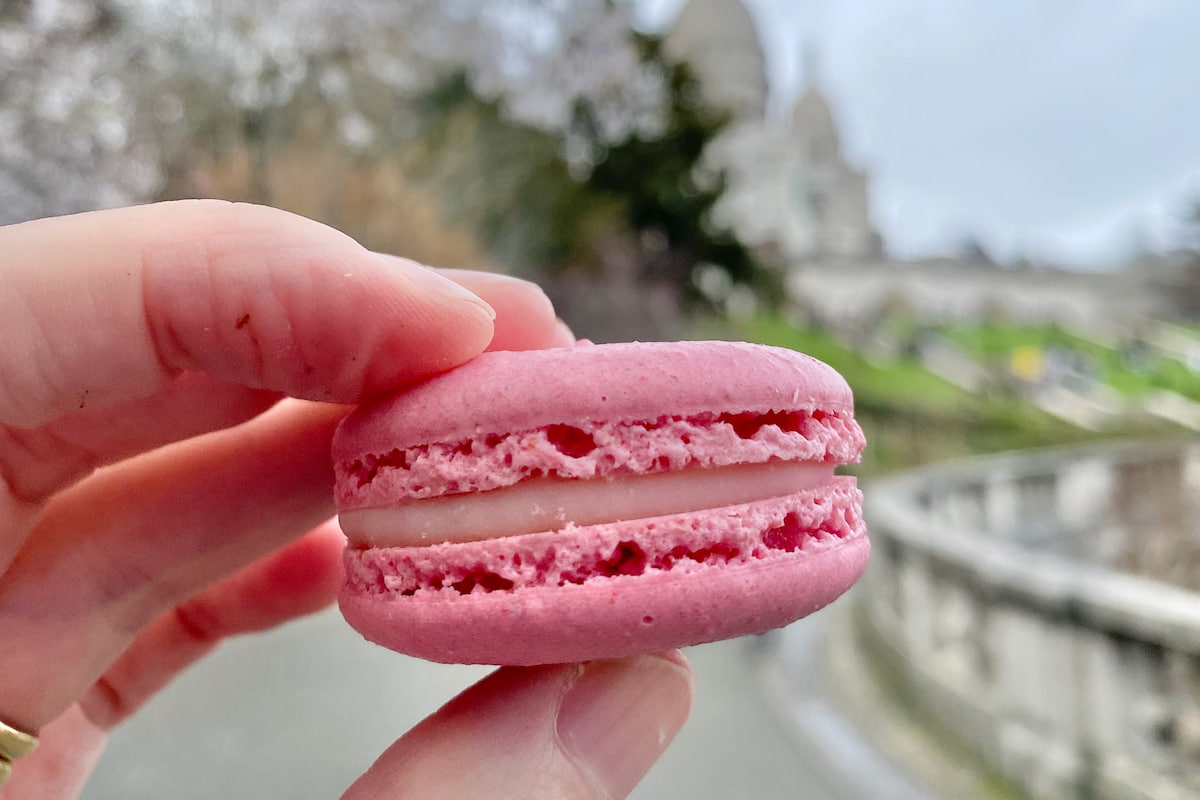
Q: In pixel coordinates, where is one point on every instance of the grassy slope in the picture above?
(989, 342)
(910, 415)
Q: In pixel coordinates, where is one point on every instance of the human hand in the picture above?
(169, 382)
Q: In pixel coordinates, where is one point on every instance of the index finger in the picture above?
(101, 308)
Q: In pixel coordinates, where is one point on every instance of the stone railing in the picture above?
(1035, 607)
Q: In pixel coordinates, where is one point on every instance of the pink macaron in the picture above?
(599, 501)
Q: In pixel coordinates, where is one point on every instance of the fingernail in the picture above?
(485, 276)
(618, 717)
(429, 279)
(501, 287)
(563, 335)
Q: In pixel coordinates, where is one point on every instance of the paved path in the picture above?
(240, 724)
(798, 680)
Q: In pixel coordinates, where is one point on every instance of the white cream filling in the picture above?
(545, 504)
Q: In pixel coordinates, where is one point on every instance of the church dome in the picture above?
(718, 40)
(814, 127)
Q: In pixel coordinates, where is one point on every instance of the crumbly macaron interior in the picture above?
(499, 485)
(489, 460)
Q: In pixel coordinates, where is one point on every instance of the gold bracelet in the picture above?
(14, 744)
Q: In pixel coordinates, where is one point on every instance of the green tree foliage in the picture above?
(506, 181)
(644, 201)
(660, 180)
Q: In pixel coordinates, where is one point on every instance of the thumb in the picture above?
(571, 731)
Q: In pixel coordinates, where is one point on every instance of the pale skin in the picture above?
(170, 377)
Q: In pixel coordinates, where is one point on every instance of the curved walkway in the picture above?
(237, 725)
(808, 680)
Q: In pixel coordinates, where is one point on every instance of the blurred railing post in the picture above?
(1023, 603)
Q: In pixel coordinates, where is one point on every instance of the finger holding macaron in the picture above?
(171, 379)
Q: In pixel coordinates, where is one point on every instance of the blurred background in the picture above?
(986, 216)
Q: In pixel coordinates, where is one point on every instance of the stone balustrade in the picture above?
(1042, 610)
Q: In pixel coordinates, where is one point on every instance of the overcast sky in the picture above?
(1063, 129)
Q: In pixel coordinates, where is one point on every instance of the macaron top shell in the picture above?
(508, 391)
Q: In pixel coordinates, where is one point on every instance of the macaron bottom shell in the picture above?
(647, 585)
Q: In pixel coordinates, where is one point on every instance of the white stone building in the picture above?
(790, 191)
(788, 186)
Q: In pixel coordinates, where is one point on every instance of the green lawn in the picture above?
(904, 384)
(997, 343)
(910, 415)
